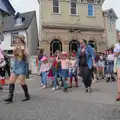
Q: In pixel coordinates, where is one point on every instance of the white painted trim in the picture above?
(58, 7)
(76, 9)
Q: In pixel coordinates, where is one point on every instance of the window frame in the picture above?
(73, 8)
(56, 7)
(13, 39)
(93, 10)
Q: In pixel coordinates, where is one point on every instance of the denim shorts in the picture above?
(110, 67)
(64, 73)
(20, 67)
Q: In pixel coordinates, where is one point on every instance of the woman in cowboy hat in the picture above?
(20, 69)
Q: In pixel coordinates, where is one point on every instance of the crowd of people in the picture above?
(87, 63)
(63, 68)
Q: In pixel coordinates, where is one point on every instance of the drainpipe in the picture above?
(28, 56)
(40, 21)
(27, 37)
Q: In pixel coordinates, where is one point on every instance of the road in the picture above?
(46, 104)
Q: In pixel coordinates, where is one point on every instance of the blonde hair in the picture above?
(22, 38)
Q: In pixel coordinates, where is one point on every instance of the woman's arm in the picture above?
(116, 54)
(26, 53)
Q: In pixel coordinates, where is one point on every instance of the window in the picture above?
(90, 9)
(98, 2)
(82, 1)
(56, 6)
(19, 21)
(73, 7)
(13, 38)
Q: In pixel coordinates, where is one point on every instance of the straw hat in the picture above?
(44, 58)
(22, 37)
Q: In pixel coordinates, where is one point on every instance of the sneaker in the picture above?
(53, 89)
(90, 90)
(113, 79)
(76, 86)
(65, 90)
(41, 84)
(108, 79)
(94, 81)
(103, 77)
(118, 98)
(44, 86)
(86, 89)
(70, 86)
(57, 87)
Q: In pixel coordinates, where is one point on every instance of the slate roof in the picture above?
(7, 7)
(111, 11)
(10, 22)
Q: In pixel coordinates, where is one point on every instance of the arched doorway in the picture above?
(54, 46)
(73, 45)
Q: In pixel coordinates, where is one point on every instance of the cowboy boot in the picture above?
(70, 82)
(27, 96)
(76, 80)
(11, 92)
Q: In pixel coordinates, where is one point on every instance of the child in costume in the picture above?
(73, 70)
(44, 69)
(65, 65)
(55, 68)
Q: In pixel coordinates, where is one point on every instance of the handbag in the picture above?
(3, 63)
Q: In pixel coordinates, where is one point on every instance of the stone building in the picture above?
(110, 27)
(64, 22)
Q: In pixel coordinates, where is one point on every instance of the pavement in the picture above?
(46, 104)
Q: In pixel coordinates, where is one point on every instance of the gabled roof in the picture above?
(6, 6)
(19, 15)
(110, 12)
(10, 22)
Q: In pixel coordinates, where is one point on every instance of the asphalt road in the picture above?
(46, 104)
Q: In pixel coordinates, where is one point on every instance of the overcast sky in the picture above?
(29, 5)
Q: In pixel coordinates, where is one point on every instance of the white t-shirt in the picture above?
(110, 57)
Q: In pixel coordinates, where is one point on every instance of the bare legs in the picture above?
(12, 81)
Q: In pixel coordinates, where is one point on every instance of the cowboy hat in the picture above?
(44, 58)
